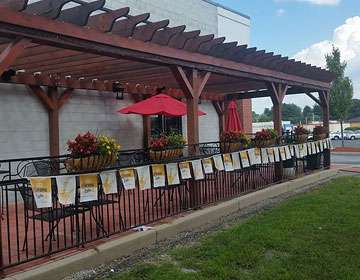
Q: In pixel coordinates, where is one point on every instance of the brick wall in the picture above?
(245, 113)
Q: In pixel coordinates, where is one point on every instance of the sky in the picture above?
(305, 30)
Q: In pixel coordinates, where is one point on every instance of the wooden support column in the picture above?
(277, 94)
(324, 97)
(53, 103)
(11, 53)
(193, 86)
(220, 110)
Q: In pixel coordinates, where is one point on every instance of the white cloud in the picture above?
(280, 12)
(315, 2)
(347, 38)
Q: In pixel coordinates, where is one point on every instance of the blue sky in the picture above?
(305, 29)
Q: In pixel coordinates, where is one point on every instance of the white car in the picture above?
(352, 135)
(336, 135)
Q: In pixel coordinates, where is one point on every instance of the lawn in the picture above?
(313, 236)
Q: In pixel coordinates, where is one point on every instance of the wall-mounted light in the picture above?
(160, 90)
(119, 90)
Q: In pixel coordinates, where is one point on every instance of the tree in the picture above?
(354, 109)
(255, 116)
(308, 114)
(266, 116)
(341, 92)
(317, 112)
(292, 113)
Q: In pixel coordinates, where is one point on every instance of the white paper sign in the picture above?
(207, 164)
(128, 178)
(276, 154)
(271, 155)
(287, 152)
(313, 148)
(321, 145)
(66, 187)
(89, 187)
(264, 156)
(158, 172)
(144, 177)
(41, 188)
(282, 152)
(172, 174)
(244, 159)
(109, 183)
(236, 160)
(185, 170)
(309, 148)
(197, 169)
(297, 151)
(228, 164)
(254, 156)
(219, 165)
(325, 144)
(292, 152)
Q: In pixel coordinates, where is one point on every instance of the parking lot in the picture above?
(347, 143)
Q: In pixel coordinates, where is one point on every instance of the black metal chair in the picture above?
(52, 216)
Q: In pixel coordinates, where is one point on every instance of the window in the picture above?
(163, 124)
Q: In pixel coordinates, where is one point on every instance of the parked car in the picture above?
(336, 135)
(353, 135)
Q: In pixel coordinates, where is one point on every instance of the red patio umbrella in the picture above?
(233, 120)
(160, 104)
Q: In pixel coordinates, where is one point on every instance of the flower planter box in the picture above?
(90, 163)
(165, 154)
(319, 136)
(264, 143)
(228, 147)
(302, 138)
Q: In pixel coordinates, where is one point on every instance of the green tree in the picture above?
(255, 116)
(341, 92)
(266, 116)
(354, 109)
(308, 114)
(292, 113)
(317, 112)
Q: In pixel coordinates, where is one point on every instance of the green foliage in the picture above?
(354, 128)
(292, 113)
(341, 92)
(313, 236)
(175, 140)
(255, 116)
(354, 110)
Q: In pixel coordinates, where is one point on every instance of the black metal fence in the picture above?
(28, 233)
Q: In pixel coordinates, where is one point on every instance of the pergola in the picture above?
(54, 51)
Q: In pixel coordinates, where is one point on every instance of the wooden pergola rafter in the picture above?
(89, 46)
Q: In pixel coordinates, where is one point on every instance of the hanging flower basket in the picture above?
(265, 138)
(90, 163)
(262, 143)
(302, 138)
(319, 133)
(159, 155)
(229, 147)
(91, 153)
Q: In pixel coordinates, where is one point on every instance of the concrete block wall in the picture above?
(23, 123)
(97, 112)
(194, 14)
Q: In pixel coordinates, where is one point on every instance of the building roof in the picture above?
(226, 8)
(355, 119)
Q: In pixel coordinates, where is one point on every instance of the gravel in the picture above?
(157, 252)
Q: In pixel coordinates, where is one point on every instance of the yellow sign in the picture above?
(144, 178)
(128, 178)
(66, 187)
(109, 182)
(158, 172)
(228, 164)
(185, 170)
(41, 188)
(88, 187)
(207, 164)
(172, 172)
(244, 159)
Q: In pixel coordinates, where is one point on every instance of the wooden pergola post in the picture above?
(277, 94)
(325, 106)
(53, 104)
(220, 110)
(193, 86)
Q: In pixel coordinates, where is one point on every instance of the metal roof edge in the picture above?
(227, 8)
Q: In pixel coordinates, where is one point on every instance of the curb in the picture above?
(126, 245)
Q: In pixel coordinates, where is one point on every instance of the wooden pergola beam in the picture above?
(53, 102)
(61, 34)
(11, 53)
